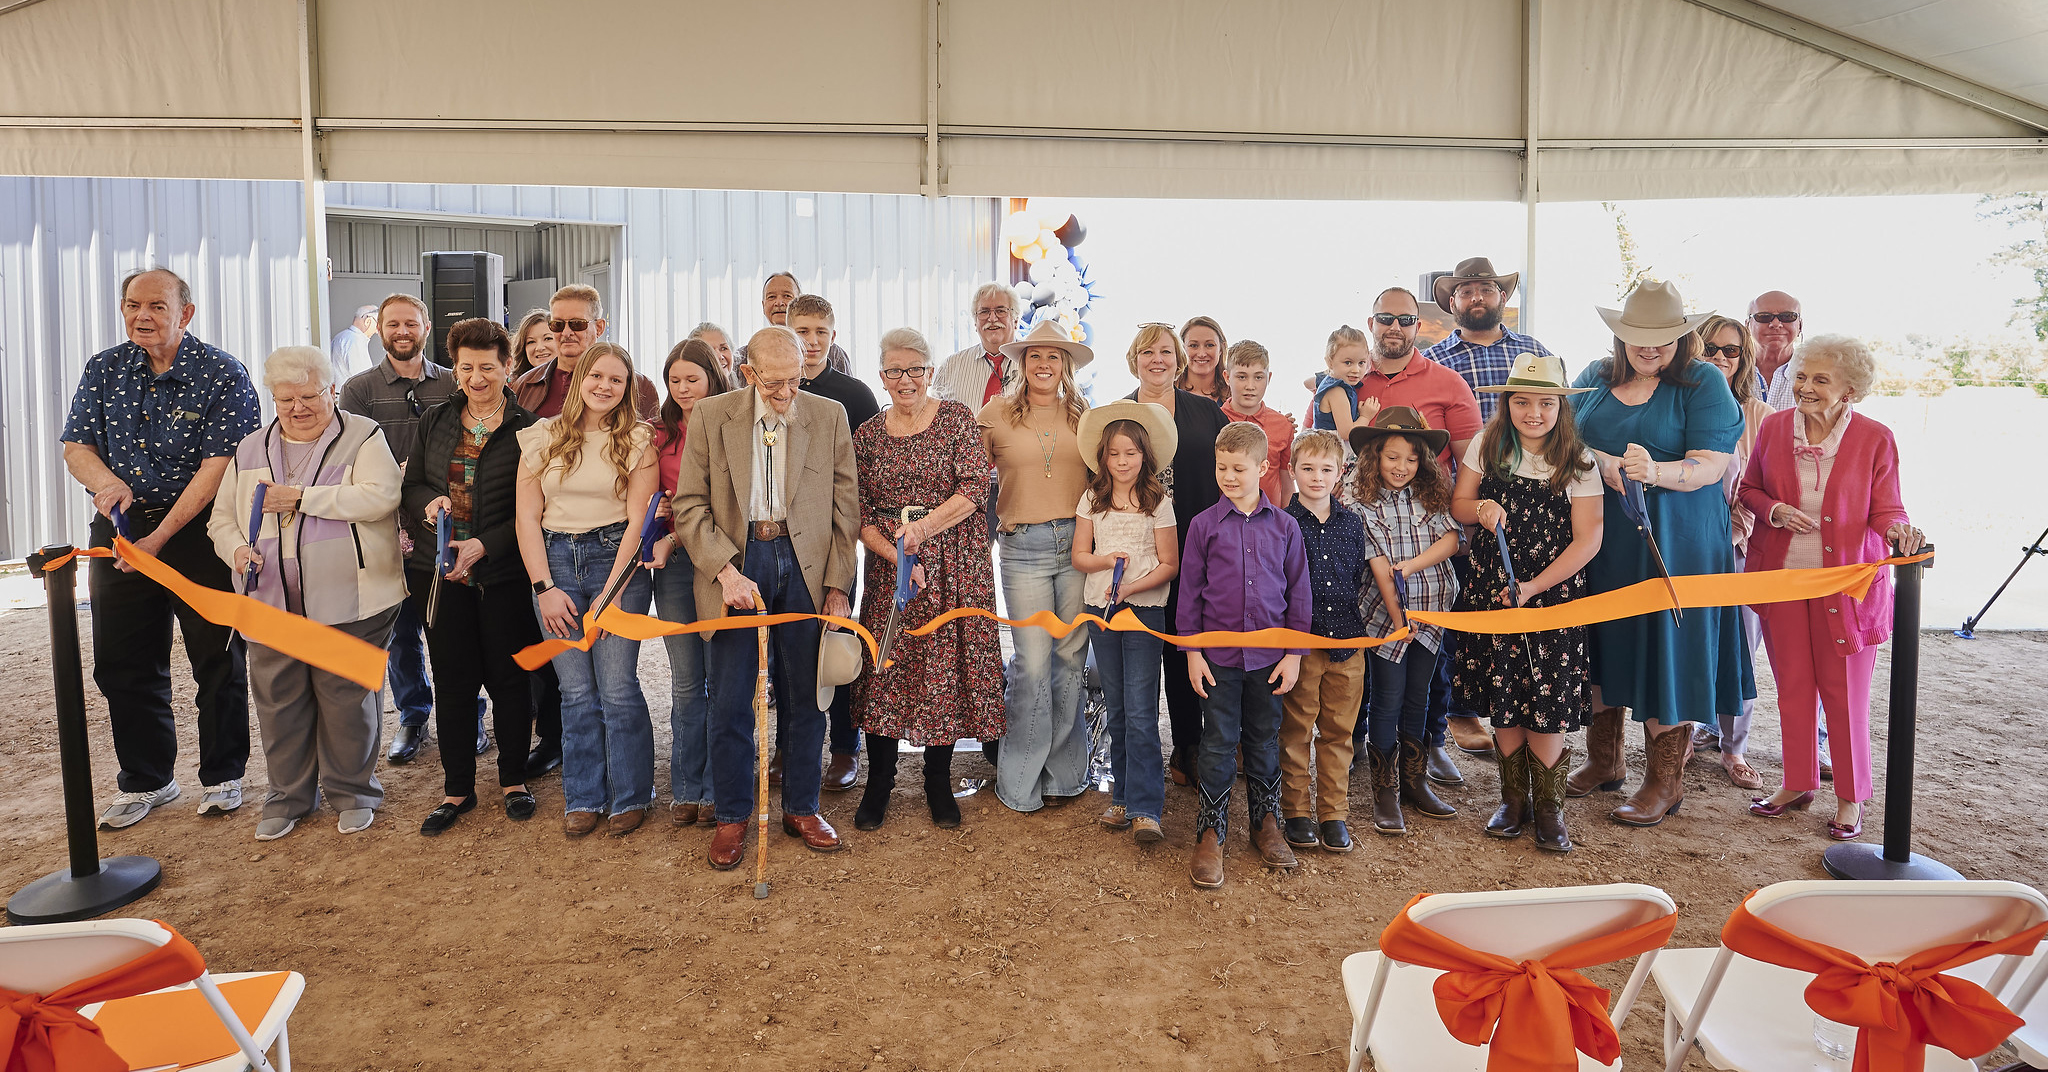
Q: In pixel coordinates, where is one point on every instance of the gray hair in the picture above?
(293, 366)
(906, 339)
(184, 288)
(1851, 358)
(706, 328)
(987, 289)
(367, 310)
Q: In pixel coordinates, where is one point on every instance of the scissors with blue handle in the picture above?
(648, 523)
(255, 530)
(906, 589)
(120, 519)
(1636, 507)
(444, 528)
(1116, 584)
(1507, 565)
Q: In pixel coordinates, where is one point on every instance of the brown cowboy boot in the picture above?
(1206, 869)
(1603, 769)
(1272, 847)
(1546, 791)
(1513, 813)
(1415, 788)
(1386, 792)
(1663, 787)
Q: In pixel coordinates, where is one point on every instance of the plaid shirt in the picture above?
(1483, 366)
(1397, 528)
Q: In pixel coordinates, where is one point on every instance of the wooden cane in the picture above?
(761, 747)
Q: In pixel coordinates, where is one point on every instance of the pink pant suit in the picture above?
(1824, 650)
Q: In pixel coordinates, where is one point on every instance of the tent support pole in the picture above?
(930, 186)
(1532, 15)
(311, 185)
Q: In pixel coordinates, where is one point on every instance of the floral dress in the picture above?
(947, 686)
(1524, 681)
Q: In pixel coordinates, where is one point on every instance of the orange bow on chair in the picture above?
(45, 1033)
(1896, 1009)
(1537, 1015)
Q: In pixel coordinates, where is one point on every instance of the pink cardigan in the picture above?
(1860, 502)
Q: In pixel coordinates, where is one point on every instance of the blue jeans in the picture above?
(689, 704)
(1400, 694)
(1045, 753)
(1241, 710)
(408, 668)
(607, 735)
(734, 660)
(1129, 665)
(1442, 701)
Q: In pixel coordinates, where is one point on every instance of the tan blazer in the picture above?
(715, 481)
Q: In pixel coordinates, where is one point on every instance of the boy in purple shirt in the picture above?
(1244, 568)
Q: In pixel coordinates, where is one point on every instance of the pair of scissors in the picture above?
(1116, 584)
(1636, 507)
(906, 588)
(443, 530)
(255, 529)
(1507, 563)
(648, 523)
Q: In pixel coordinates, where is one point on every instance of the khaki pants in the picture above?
(1324, 705)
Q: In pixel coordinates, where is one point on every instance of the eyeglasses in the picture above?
(1390, 319)
(578, 324)
(1731, 352)
(915, 372)
(1782, 318)
(776, 387)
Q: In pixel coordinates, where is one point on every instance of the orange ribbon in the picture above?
(1530, 1015)
(633, 626)
(45, 1033)
(1897, 1009)
(308, 641)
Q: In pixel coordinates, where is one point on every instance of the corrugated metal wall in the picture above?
(673, 258)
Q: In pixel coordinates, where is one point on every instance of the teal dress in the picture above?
(1658, 670)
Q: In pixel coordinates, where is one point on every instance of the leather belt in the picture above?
(769, 531)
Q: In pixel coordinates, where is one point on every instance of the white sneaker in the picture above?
(355, 820)
(272, 829)
(127, 809)
(222, 798)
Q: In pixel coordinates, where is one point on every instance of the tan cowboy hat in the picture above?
(1049, 333)
(1536, 374)
(1653, 315)
(1472, 270)
(1161, 436)
(1401, 419)
(838, 663)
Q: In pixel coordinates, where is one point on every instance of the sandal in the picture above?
(1741, 773)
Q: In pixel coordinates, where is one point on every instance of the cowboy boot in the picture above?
(1205, 870)
(1663, 787)
(1603, 769)
(1546, 791)
(1415, 788)
(1271, 844)
(1513, 813)
(1386, 792)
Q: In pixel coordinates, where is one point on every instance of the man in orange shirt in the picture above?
(1248, 370)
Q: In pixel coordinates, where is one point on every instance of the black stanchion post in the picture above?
(90, 886)
(1897, 860)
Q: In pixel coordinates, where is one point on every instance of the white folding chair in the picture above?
(48, 957)
(2027, 998)
(1393, 1011)
(1748, 1015)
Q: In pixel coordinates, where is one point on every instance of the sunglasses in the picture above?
(1732, 351)
(1390, 319)
(915, 372)
(578, 324)
(1782, 318)
(413, 400)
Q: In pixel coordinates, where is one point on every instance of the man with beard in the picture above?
(1401, 376)
(394, 392)
(777, 291)
(1480, 348)
(1775, 323)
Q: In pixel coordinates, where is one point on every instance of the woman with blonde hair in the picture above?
(585, 481)
(1031, 433)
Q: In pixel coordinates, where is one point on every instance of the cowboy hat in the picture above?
(1472, 270)
(1161, 436)
(1535, 374)
(1653, 315)
(1402, 419)
(1049, 333)
(838, 663)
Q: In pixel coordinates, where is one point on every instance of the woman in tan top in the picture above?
(1030, 432)
(585, 481)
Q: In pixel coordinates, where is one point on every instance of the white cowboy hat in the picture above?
(838, 663)
(1161, 435)
(1536, 374)
(1653, 315)
(1049, 333)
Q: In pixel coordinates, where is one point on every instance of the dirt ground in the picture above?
(1016, 942)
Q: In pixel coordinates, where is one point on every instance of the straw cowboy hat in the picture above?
(1536, 374)
(1048, 333)
(1161, 437)
(1653, 315)
(1404, 420)
(838, 663)
(1473, 270)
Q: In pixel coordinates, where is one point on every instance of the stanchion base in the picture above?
(1867, 862)
(59, 898)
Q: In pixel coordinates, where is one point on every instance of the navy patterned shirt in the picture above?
(1336, 572)
(1483, 366)
(153, 430)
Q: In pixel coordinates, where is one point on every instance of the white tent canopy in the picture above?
(1396, 99)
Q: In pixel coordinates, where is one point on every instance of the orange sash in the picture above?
(45, 1033)
(1536, 1015)
(1898, 1008)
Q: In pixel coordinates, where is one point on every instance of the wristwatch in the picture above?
(542, 586)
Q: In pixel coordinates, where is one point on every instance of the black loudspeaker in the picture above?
(458, 286)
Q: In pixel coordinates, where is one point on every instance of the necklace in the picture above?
(481, 428)
(1048, 442)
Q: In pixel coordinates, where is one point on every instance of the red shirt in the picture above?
(1442, 396)
(1279, 429)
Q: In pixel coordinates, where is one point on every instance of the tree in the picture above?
(2026, 214)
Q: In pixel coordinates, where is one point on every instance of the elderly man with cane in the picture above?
(751, 508)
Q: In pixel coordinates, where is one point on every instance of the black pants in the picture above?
(1183, 707)
(476, 631)
(131, 645)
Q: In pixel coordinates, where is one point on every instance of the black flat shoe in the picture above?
(407, 743)
(519, 806)
(1336, 836)
(542, 760)
(1300, 831)
(444, 816)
